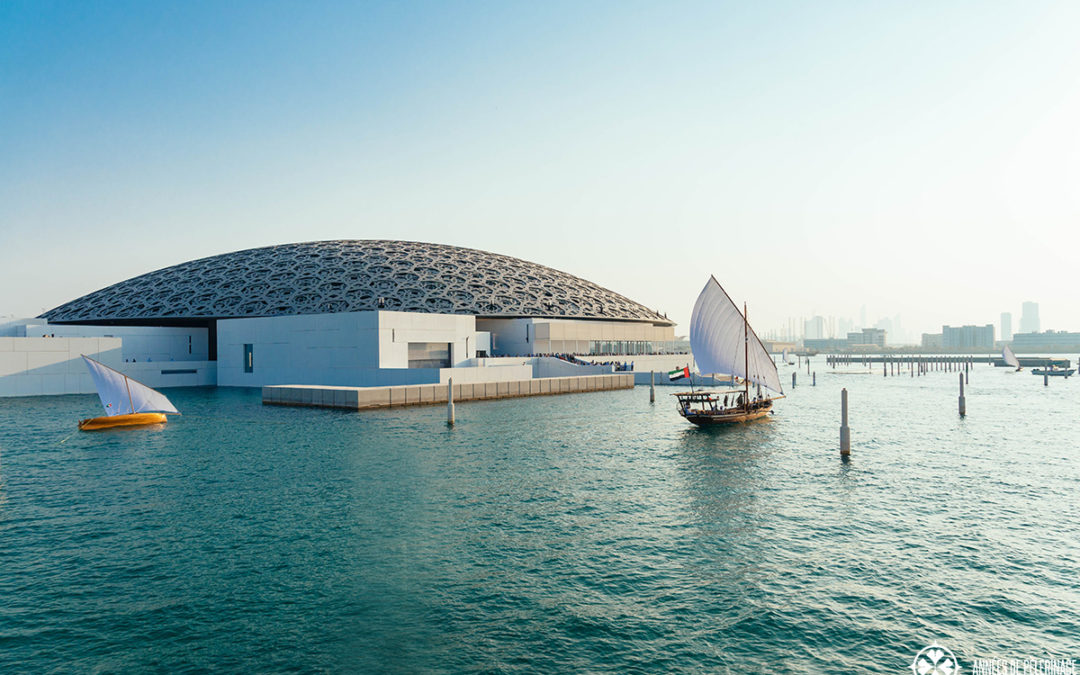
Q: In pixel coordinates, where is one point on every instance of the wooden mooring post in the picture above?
(845, 432)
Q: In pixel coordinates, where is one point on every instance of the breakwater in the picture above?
(364, 398)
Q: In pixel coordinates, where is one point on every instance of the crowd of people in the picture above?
(620, 366)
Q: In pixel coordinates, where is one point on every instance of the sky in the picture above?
(919, 158)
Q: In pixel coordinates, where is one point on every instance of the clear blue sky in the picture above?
(915, 158)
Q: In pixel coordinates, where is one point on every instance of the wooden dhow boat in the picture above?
(127, 402)
(723, 343)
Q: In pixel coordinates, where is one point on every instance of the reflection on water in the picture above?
(571, 533)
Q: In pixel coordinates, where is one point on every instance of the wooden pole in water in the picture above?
(814, 384)
(845, 433)
(963, 404)
(450, 402)
(793, 380)
(652, 386)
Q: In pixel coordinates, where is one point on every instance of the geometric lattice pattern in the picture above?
(353, 276)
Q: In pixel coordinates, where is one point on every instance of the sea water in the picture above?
(579, 533)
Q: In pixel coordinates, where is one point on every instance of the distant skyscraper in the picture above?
(1029, 319)
(814, 329)
(844, 326)
(1006, 326)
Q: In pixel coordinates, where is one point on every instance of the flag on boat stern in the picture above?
(678, 374)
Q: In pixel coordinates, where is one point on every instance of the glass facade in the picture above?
(599, 347)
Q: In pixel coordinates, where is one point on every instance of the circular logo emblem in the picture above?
(935, 660)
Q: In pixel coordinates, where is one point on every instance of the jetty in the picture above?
(367, 398)
(840, 360)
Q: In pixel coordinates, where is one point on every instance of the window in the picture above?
(249, 358)
(429, 354)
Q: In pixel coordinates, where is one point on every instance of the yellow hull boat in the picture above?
(136, 419)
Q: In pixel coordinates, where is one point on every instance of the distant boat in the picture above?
(1010, 358)
(1053, 372)
(787, 359)
(722, 342)
(126, 401)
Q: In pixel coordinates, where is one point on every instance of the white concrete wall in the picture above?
(398, 329)
(344, 349)
(314, 349)
(38, 366)
(46, 366)
(165, 374)
(141, 343)
(485, 374)
(550, 366)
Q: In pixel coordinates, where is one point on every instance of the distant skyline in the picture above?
(920, 160)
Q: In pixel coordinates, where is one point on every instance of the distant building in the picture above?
(931, 340)
(814, 329)
(967, 337)
(1029, 319)
(1006, 326)
(1051, 340)
(826, 344)
(867, 336)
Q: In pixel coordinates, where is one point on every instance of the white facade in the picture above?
(140, 343)
(33, 365)
(353, 349)
(46, 366)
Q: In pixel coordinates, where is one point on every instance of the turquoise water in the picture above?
(579, 533)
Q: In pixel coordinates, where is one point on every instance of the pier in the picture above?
(835, 360)
(367, 398)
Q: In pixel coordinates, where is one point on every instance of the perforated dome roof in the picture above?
(352, 276)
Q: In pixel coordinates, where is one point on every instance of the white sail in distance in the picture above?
(121, 395)
(718, 340)
(1009, 358)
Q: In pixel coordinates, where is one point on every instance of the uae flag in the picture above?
(679, 374)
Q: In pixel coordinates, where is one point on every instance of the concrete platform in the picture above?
(365, 398)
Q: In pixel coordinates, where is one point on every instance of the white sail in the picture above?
(784, 356)
(1009, 357)
(718, 340)
(121, 395)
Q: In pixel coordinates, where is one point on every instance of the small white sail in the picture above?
(718, 341)
(1009, 358)
(784, 356)
(121, 395)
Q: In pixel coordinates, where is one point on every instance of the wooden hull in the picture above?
(136, 419)
(1053, 373)
(708, 418)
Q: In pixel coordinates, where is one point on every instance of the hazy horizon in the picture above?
(918, 160)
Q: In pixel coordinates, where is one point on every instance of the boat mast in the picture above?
(127, 383)
(746, 357)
